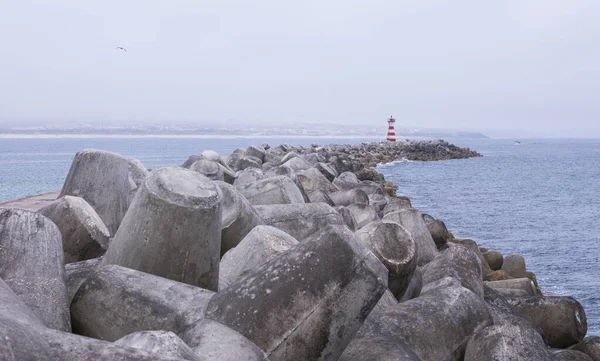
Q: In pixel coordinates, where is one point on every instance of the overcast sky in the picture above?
(509, 64)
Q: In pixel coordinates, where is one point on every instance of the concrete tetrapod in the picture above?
(523, 284)
(273, 190)
(247, 176)
(262, 244)
(102, 179)
(435, 326)
(307, 303)
(507, 342)
(239, 217)
(312, 180)
(319, 196)
(328, 171)
(396, 204)
(514, 265)
(561, 318)
(346, 180)
(299, 220)
(69, 347)
(172, 229)
(590, 346)
(217, 342)
(457, 262)
(31, 263)
(210, 169)
(116, 301)
(164, 343)
(84, 235)
(348, 197)
(78, 272)
(19, 329)
(348, 218)
(363, 213)
(570, 355)
(412, 221)
(395, 248)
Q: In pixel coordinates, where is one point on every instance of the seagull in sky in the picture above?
(121, 48)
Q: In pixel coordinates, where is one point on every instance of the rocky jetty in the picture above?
(268, 253)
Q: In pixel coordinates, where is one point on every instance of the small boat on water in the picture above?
(517, 142)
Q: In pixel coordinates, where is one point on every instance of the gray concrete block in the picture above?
(102, 179)
(307, 303)
(116, 301)
(412, 221)
(77, 273)
(363, 213)
(162, 343)
(274, 190)
(239, 217)
(31, 263)
(172, 229)
(262, 244)
(84, 235)
(507, 342)
(208, 168)
(395, 248)
(299, 220)
(348, 197)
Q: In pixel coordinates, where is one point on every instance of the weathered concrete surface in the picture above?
(258, 152)
(69, 347)
(84, 235)
(217, 342)
(296, 163)
(22, 343)
(524, 284)
(412, 221)
(438, 231)
(348, 197)
(210, 169)
(312, 180)
(247, 176)
(32, 203)
(378, 201)
(414, 287)
(137, 172)
(172, 229)
(395, 248)
(307, 303)
(31, 263)
(370, 187)
(434, 326)
(163, 343)
(319, 196)
(102, 179)
(363, 213)
(273, 190)
(457, 262)
(116, 301)
(262, 244)
(569, 355)
(507, 342)
(239, 217)
(494, 259)
(590, 346)
(514, 265)
(328, 171)
(396, 204)
(299, 220)
(348, 218)
(77, 273)
(346, 180)
(248, 162)
(561, 318)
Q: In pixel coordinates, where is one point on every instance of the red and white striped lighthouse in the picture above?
(391, 136)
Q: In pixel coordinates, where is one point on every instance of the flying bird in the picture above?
(121, 48)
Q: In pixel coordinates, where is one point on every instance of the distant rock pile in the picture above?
(283, 253)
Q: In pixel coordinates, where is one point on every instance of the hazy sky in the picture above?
(509, 64)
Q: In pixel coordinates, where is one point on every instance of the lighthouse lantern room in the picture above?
(391, 135)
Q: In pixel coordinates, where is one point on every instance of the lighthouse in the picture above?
(391, 136)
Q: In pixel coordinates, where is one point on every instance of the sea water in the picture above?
(540, 199)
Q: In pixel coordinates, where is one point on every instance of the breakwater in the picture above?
(318, 259)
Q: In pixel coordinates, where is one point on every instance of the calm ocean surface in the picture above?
(540, 199)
